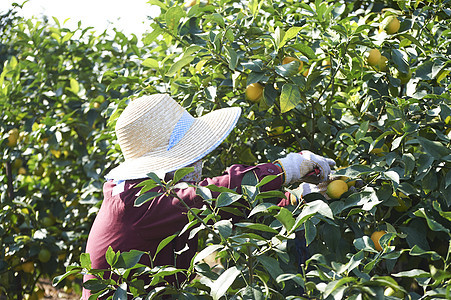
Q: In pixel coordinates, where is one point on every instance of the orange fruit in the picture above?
(375, 237)
(274, 131)
(326, 64)
(374, 57)
(44, 255)
(22, 171)
(382, 64)
(289, 59)
(336, 189)
(393, 25)
(13, 136)
(28, 267)
(254, 92)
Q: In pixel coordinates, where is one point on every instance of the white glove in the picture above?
(298, 166)
(306, 188)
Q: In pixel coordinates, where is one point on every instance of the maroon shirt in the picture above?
(124, 227)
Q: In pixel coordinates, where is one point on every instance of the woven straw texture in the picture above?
(144, 129)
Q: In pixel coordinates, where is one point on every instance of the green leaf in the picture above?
(152, 36)
(445, 214)
(58, 279)
(226, 198)
(224, 227)
(121, 292)
(155, 178)
(310, 209)
(333, 285)
(179, 65)
(164, 243)
(182, 172)
(415, 273)
(354, 171)
(233, 57)
(206, 252)
(400, 60)
(74, 86)
(434, 148)
(146, 197)
(150, 63)
(250, 179)
(289, 34)
(393, 176)
(286, 218)
(263, 207)
(95, 285)
(173, 16)
(224, 281)
(290, 97)
(362, 131)
(111, 256)
(267, 179)
(433, 225)
(271, 265)
(310, 231)
(256, 226)
(364, 243)
(85, 261)
(295, 277)
(271, 194)
(204, 192)
(129, 259)
(158, 3)
(306, 50)
(417, 251)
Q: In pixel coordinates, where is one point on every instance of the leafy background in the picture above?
(63, 90)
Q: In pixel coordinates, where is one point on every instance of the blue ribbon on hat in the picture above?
(180, 129)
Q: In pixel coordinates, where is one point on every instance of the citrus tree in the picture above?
(55, 104)
(365, 83)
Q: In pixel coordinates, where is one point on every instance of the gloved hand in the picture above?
(298, 166)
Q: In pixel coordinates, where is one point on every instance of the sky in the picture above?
(128, 16)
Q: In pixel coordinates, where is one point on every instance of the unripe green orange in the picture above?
(404, 77)
(336, 189)
(44, 255)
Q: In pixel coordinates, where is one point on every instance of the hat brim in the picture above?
(204, 135)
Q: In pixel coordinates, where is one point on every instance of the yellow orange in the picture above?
(28, 267)
(375, 237)
(393, 25)
(382, 64)
(326, 64)
(13, 136)
(336, 189)
(278, 130)
(190, 3)
(254, 92)
(289, 59)
(374, 55)
(22, 171)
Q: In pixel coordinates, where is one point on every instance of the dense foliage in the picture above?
(387, 124)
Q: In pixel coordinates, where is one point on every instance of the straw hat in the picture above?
(158, 135)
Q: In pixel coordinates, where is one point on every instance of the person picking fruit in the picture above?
(158, 135)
